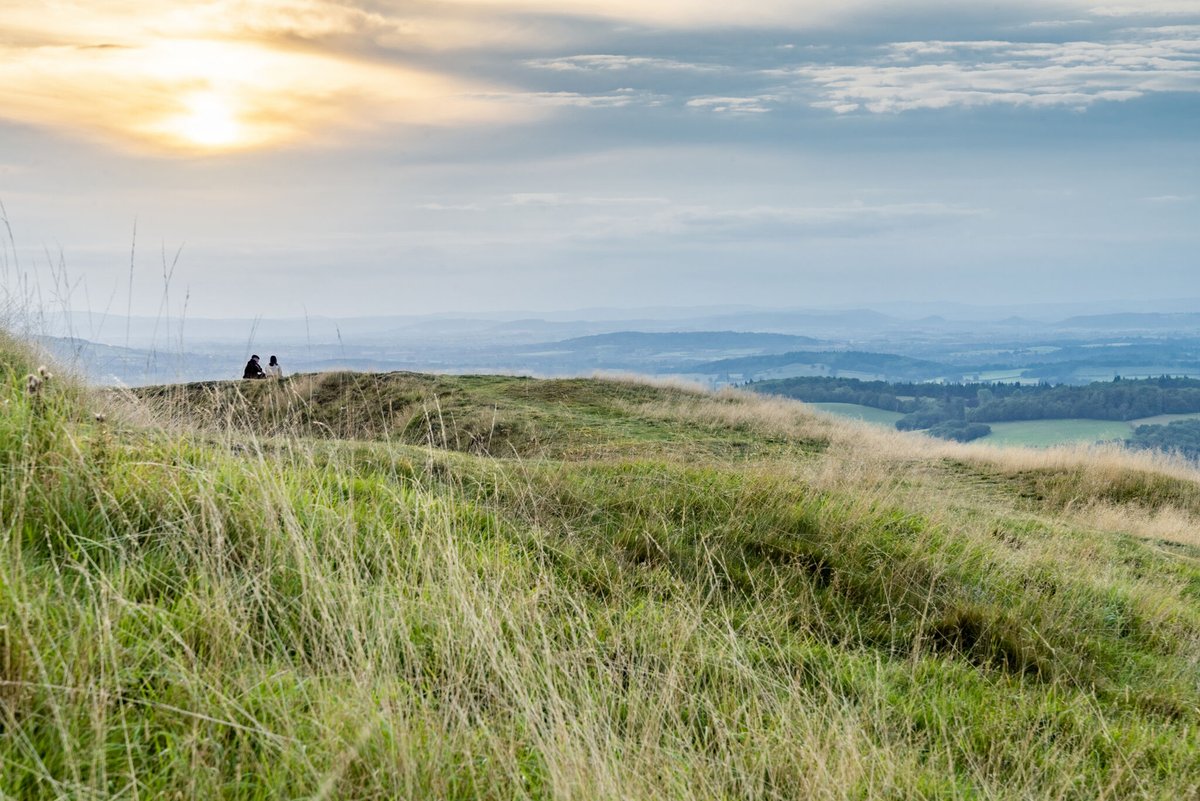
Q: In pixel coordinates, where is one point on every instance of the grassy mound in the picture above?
(403, 586)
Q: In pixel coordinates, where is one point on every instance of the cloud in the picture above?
(1057, 23)
(450, 207)
(761, 223)
(572, 218)
(1169, 199)
(755, 104)
(1147, 8)
(275, 22)
(617, 98)
(688, 14)
(205, 95)
(940, 74)
(216, 77)
(836, 221)
(564, 199)
(614, 63)
(181, 77)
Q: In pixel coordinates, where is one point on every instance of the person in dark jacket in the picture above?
(253, 368)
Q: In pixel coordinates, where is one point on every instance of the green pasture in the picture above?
(1045, 433)
(857, 411)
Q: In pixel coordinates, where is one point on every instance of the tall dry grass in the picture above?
(190, 610)
(1148, 494)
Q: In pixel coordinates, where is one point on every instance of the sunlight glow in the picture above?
(210, 121)
(237, 75)
(174, 77)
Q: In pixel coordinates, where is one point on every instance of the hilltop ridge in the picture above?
(383, 585)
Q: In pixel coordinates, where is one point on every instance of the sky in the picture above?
(282, 158)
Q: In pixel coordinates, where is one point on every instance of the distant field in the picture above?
(1031, 433)
(1044, 433)
(999, 375)
(1034, 433)
(866, 413)
(1132, 371)
(861, 376)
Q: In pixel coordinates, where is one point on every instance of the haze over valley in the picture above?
(713, 347)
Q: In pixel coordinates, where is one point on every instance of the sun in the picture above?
(209, 120)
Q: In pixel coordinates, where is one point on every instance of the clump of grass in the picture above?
(648, 593)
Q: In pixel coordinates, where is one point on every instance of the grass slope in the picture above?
(406, 586)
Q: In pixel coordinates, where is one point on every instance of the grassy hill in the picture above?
(408, 586)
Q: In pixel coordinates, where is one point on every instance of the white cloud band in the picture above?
(936, 74)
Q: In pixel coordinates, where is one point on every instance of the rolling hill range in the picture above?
(412, 586)
(877, 366)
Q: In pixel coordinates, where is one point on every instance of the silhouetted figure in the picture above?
(273, 368)
(253, 368)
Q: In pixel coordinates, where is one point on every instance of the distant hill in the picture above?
(689, 341)
(1134, 322)
(884, 365)
(630, 351)
(820, 323)
(115, 365)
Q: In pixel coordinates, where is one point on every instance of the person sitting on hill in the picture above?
(253, 368)
(274, 370)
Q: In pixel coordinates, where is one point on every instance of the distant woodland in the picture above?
(1182, 436)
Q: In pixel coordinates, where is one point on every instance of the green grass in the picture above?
(857, 411)
(1045, 433)
(482, 587)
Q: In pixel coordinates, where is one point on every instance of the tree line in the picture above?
(926, 406)
(1182, 436)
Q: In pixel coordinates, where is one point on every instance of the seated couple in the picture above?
(255, 370)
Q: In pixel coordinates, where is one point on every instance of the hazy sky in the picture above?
(366, 157)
